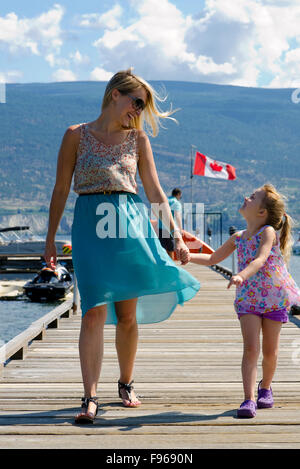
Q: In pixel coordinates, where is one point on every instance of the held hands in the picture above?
(182, 251)
(236, 280)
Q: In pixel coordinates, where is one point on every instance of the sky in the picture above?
(253, 43)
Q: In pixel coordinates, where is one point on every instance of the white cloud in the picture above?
(112, 39)
(56, 61)
(40, 36)
(109, 20)
(32, 34)
(293, 56)
(79, 59)
(206, 66)
(63, 75)
(228, 42)
(158, 42)
(99, 74)
(231, 42)
(289, 75)
(159, 24)
(256, 34)
(12, 76)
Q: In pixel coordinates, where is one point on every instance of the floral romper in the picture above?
(270, 292)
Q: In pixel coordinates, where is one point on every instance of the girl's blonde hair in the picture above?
(273, 201)
(126, 82)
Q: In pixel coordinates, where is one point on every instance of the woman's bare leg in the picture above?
(126, 339)
(91, 350)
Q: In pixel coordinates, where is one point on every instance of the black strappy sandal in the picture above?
(128, 388)
(85, 416)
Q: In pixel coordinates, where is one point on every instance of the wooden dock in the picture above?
(187, 374)
(11, 262)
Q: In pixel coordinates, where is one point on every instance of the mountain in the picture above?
(255, 130)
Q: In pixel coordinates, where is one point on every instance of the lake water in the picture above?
(16, 316)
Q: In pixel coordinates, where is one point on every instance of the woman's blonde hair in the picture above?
(126, 82)
(274, 203)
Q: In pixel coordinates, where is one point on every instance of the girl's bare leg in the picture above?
(250, 327)
(271, 337)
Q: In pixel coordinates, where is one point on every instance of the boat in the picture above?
(49, 285)
(193, 243)
(20, 240)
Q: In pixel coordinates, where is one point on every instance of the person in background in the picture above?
(166, 240)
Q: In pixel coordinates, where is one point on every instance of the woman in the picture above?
(124, 276)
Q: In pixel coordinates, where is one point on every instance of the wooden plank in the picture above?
(172, 416)
(103, 427)
(159, 441)
(187, 373)
(125, 442)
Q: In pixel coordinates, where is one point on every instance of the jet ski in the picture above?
(49, 285)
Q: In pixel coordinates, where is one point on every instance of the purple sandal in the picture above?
(247, 409)
(264, 398)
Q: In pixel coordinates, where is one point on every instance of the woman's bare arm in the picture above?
(64, 173)
(155, 194)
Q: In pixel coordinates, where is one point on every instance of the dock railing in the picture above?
(29, 262)
(17, 347)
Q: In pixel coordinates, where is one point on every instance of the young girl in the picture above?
(265, 290)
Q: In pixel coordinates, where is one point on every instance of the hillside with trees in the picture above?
(255, 130)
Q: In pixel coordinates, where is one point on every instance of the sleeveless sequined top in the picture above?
(272, 288)
(100, 167)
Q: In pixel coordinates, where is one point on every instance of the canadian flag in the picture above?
(205, 166)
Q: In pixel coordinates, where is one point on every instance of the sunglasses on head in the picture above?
(137, 103)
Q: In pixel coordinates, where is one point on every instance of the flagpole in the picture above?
(192, 165)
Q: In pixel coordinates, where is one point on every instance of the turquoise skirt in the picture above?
(118, 256)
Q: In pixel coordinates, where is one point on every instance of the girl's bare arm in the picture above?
(263, 252)
(267, 240)
(219, 255)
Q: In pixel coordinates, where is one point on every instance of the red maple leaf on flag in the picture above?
(215, 166)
